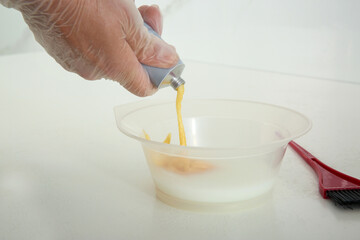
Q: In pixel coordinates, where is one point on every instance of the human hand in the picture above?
(100, 38)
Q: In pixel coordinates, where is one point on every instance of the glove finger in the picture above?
(152, 16)
(148, 48)
(131, 75)
(151, 50)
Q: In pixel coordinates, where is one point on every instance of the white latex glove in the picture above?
(100, 38)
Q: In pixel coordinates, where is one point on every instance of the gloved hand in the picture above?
(100, 38)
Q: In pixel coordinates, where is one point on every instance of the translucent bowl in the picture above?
(233, 155)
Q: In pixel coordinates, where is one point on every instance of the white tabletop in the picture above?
(66, 172)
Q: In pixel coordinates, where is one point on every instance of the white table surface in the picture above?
(66, 172)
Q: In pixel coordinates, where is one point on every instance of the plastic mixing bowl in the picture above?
(233, 153)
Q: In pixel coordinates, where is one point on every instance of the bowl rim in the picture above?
(153, 102)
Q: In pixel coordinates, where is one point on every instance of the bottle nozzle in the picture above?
(176, 82)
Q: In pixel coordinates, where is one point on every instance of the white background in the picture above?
(317, 38)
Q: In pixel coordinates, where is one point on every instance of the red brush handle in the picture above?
(329, 178)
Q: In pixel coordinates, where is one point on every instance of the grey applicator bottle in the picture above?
(163, 77)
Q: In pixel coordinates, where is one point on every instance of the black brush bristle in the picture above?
(345, 198)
